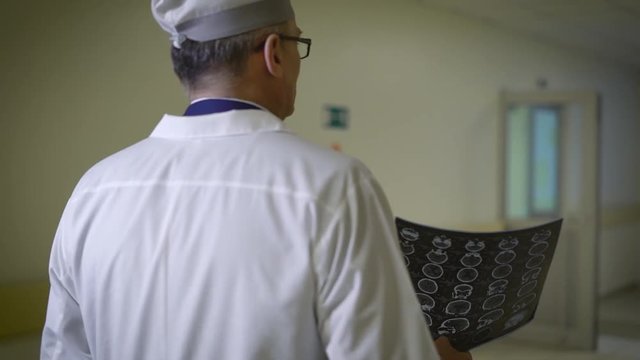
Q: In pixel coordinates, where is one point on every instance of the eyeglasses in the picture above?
(304, 44)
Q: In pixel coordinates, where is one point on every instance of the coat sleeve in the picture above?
(63, 336)
(366, 307)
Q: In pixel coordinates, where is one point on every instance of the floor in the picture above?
(619, 338)
(620, 313)
(619, 323)
(511, 350)
(28, 348)
(619, 328)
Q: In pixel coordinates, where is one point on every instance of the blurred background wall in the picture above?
(82, 79)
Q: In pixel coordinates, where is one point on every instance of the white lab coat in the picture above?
(225, 236)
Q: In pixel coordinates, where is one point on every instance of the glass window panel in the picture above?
(544, 164)
(517, 169)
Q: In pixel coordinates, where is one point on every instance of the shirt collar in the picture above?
(235, 122)
(233, 99)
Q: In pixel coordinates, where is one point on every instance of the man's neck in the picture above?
(253, 86)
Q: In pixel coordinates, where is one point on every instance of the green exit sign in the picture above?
(337, 117)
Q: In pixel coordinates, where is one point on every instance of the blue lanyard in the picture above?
(212, 106)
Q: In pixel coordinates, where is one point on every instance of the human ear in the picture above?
(273, 55)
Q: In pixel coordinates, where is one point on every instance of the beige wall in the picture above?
(423, 89)
(80, 79)
(619, 248)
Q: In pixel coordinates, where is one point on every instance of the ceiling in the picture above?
(609, 28)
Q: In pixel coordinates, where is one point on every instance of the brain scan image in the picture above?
(501, 271)
(437, 256)
(428, 319)
(493, 302)
(409, 234)
(505, 257)
(462, 291)
(441, 243)
(543, 235)
(428, 286)
(453, 326)
(508, 244)
(433, 271)
(426, 302)
(498, 287)
(471, 259)
(531, 274)
(474, 246)
(489, 318)
(467, 275)
(458, 307)
(407, 248)
(527, 288)
(535, 262)
(538, 248)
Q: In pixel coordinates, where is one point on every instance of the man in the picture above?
(223, 235)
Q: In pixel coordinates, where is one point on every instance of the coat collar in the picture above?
(229, 123)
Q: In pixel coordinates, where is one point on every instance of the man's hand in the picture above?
(447, 352)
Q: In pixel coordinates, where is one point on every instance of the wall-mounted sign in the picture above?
(337, 117)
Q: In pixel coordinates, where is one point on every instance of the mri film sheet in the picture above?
(475, 287)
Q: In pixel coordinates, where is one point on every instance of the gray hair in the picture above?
(227, 57)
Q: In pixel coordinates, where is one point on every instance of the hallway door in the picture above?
(549, 169)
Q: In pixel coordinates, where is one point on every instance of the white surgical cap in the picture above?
(205, 20)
